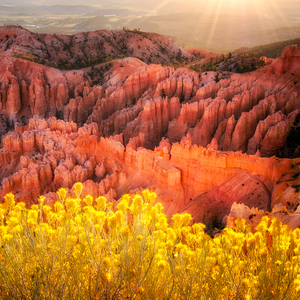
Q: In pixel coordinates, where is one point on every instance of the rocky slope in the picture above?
(64, 49)
(200, 144)
(46, 155)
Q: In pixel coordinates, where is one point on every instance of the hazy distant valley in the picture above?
(197, 26)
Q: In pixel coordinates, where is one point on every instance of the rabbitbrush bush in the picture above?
(85, 249)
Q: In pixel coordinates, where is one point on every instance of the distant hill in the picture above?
(12, 22)
(272, 50)
(93, 24)
(90, 48)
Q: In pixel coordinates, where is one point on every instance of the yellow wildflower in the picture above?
(125, 231)
(12, 221)
(139, 237)
(198, 228)
(278, 262)
(240, 225)
(9, 201)
(161, 264)
(34, 207)
(162, 223)
(42, 200)
(46, 209)
(19, 207)
(186, 219)
(16, 230)
(136, 206)
(177, 221)
(140, 290)
(122, 205)
(112, 221)
(125, 198)
(88, 200)
(7, 237)
(62, 194)
(78, 189)
(101, 203)
(106, 262)
(119, 218)
(33, 214)
(149, 197)
(180, 247)
(58, 206)
(108, 277)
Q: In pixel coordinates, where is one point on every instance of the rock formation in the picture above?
(200, 144)
(149, 47)
(54, 154)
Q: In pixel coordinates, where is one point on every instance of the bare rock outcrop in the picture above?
(254, 215)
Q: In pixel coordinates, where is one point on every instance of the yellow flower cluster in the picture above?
(88, 249)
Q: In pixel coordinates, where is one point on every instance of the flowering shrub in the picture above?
(85, 249)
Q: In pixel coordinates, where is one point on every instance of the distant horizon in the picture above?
(217, 25)
(219, 7)
(147, 3)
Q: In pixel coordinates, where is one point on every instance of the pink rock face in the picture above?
(61, 97)
(244, 188)
(13, 103)
(253, 216)
(78, 109)
(152, 122)
(10, 95)
(24, 84)
(37, 95)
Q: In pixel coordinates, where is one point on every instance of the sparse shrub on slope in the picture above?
(87, 249)
(271, 50)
